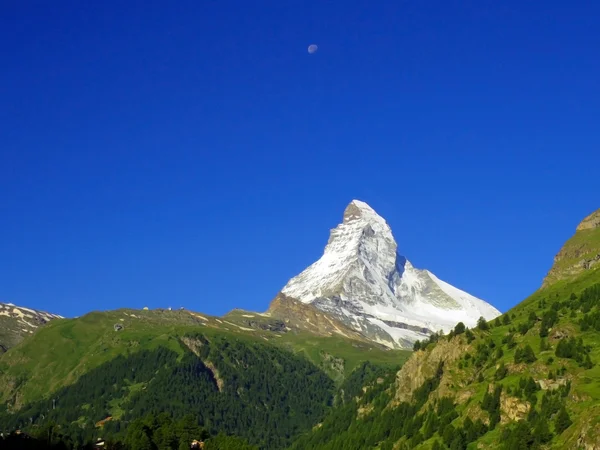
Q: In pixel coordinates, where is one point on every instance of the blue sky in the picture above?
(196, 155)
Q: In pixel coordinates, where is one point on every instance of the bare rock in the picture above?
(513, 409)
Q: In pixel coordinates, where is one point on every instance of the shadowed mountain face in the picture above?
(17, 322)
(363, 282)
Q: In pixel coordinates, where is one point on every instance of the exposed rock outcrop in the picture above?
(423, 365)
(580, 253)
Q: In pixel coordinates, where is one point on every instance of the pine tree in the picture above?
(541, 431)
(482, 324)
(563, 420)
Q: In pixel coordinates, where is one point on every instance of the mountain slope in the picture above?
(17, 322)
(364, 283)
(580, 253)
(232, 385)
(64, 350)
(528, 379)
(258, 380)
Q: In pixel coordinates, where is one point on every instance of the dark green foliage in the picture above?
(544, 345)
(509, 340)
(491, 404)
(549, 318)
(365, 374)
(263, 393)
(499, 353)
(501, 372)
(497, 322)
(563, 420)
(482, 356)
(20, 442)
(162, 432)
(527, 389)
(589, 299)
(448, 434)
(470, 336)
(383, 426)
(525, 355)
(574, 349)
(506, 319)
(518, 437)
(541, 431)
(459, 328)
(524, 327)
(223, 442)
(482, 324)
(417, 346)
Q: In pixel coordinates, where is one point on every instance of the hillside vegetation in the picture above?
(97, 375)
(65, 349)
(528, 379)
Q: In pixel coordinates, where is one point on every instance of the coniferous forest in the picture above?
(225, 387)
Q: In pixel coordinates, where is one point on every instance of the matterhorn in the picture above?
(363, 282)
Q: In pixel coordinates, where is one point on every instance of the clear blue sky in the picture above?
(194, 154)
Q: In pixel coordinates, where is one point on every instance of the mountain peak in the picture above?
(590, 222)
(579, 254)
(357, 209)
(362, 282)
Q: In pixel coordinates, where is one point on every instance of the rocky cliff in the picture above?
(580, 253)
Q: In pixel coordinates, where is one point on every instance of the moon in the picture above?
(312, 48)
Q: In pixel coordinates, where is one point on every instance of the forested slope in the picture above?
(528, 379)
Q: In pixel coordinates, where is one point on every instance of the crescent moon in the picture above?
(312, 48)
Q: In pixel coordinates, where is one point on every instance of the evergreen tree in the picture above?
(501, 372)
(482, 324)
(563, 420)
(541, 431)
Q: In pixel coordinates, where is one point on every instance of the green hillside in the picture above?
(265, 384)
(59, 353)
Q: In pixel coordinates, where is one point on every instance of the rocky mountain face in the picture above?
(17, 322)
(580, 253)
(363, 282)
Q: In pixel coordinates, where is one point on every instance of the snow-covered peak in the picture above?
(363, 236)
(358, 210)
(363, 281)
